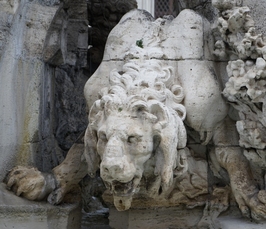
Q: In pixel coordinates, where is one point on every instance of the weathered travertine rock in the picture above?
(103, 15)
(159, 99)
(21, 71)
(36, 125)
(245, 89)
(27, 95)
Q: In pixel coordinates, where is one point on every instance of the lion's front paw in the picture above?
(262, 196)
(258, 206)
(29, 182)
(255, 206)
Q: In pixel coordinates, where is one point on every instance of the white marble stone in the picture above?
(123, 36)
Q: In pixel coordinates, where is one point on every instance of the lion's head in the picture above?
(136, 118)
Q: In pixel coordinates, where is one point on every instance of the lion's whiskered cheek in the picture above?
(142, 148)
(101, 146)
(140, 153)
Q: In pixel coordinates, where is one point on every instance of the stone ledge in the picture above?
(179, 218)
(19, 213)
(229, 222)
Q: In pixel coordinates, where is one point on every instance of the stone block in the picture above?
(178, 218)
(158, 218)
(229, 222)
(19, 213)
(258, 9)
(9, 6)
(55, 44)
(132, 27)
(20, 117)
(78, 10)
(36, 22)
(186, 32)
(201, 81)
(75, 29)
(99, 80)
(77, 39)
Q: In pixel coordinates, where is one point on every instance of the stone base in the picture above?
(173, 217)
(179, 218)
(229, 222)
(19, 213)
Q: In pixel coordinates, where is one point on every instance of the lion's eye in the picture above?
(102, 136)
(133, 139)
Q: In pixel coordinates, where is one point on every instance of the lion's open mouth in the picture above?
(118, 188)
(123, 192)
(123, 189)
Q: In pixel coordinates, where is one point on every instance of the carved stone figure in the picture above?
(245, 89)
(157, 82)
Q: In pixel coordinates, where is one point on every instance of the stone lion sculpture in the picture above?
(146, 127)
(164, 84)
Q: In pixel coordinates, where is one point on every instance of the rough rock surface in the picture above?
(43, 69)
(44, 66)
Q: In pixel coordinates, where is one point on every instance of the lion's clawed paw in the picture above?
(29, 182)
(56, 196)
(255, 207)
(258, 212)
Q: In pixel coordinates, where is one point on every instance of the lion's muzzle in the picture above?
(116, 164)
(117, 168)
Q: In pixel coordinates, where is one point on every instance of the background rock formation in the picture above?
(44, 64)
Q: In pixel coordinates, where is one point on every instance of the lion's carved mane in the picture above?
(147, 87)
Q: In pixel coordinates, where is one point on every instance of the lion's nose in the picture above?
(117, 169)
(112, 169)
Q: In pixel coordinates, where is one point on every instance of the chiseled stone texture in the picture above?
(21, 71)
(103, 16)
(19, 213)
(257, 12)
(178, 218)
(43, 68)
(41, 89)
(172, 217)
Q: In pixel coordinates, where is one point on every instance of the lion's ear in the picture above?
(167, 129)
(96, 112)
(181, 134)
(90, 152)
(160, 112)
(90, 138)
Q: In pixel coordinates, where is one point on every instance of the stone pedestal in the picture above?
(18, 213)
(229, 222)
(158, 218)
(179, 218)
